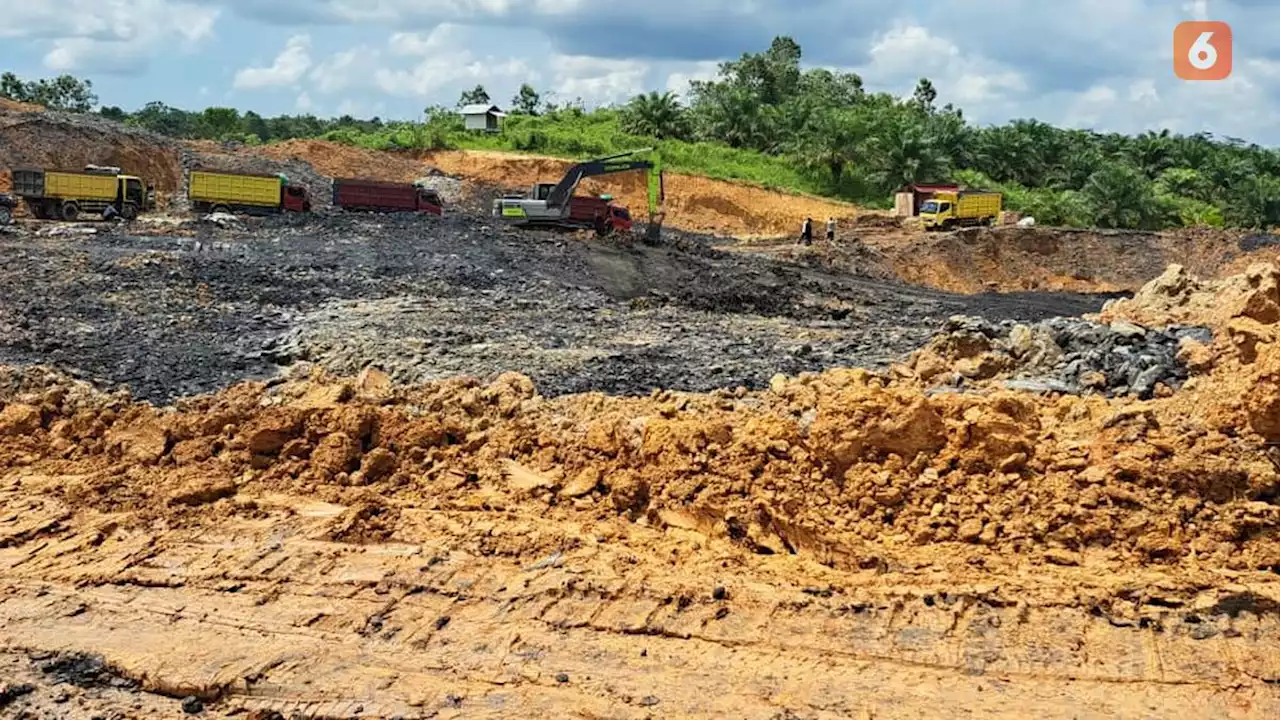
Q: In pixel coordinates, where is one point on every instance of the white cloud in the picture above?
(346, 69)
(303, 103)
(678, 82)
(107, 36)
(907, 52)
(444, 62)
(598, 81)
(289, 67)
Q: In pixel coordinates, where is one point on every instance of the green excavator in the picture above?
(553, 205)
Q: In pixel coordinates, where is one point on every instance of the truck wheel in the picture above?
(70, 211)
(129, 211)
(6, 215)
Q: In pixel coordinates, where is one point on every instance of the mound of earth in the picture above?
(345, 161)
(1060, 354)
(1177, 297)
(66, 141)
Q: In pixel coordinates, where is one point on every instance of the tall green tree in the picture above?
(65, 92)
(527, 101)
(475, 96)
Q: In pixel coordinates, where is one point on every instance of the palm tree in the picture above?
(829, 141)
(655, 114)
(902, 153)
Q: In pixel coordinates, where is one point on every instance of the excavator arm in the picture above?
(563, 190)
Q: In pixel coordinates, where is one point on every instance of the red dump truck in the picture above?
(376, 196)
(599, 213)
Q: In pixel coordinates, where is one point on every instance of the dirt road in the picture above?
(476, 613)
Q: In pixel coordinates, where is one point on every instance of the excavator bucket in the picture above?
(657, 196)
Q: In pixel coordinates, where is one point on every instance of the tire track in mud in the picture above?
(258, 614)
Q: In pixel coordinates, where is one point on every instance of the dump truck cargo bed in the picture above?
(234, 190)
(33, 183)
(377, 196)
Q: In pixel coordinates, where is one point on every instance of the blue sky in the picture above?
(1102, 64)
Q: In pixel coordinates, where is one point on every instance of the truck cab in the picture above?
(294, 198)
(134, 190)
(937, 212)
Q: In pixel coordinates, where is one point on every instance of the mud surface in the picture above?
(191, 310)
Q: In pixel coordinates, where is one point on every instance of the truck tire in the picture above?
(6, 215)
(129, 211)
(70, 211)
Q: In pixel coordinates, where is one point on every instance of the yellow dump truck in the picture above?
(946, 210)
(250, 194)
(54, 194)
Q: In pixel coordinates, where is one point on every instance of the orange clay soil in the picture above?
(842, 545)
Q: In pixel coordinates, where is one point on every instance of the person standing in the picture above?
(831, 230)
(806, 231)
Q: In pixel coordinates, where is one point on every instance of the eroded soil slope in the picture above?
(843, 544)
(692, 203)
(1039, 258)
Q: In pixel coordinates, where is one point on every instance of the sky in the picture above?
(1099, 64)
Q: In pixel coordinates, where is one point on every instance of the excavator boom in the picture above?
(563, 190)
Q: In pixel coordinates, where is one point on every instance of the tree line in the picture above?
(823, 125)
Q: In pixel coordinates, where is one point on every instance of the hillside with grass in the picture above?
(769, 121)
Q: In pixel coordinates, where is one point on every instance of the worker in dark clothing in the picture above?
(806, 232)
(831, 230)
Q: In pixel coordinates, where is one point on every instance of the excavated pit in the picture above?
(482, 472)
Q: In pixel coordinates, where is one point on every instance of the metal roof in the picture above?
(482, 110)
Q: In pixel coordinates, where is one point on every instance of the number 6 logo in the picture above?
(1202, 50)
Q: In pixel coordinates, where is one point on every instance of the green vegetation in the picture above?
(766, 120)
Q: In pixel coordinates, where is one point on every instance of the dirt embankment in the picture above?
(1038, 258)
(693, 203)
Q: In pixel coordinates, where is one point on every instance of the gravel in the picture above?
(1068, 354)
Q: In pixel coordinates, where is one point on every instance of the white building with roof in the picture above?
(487, 118)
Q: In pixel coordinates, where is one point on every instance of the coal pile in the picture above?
(424, 298)
(1060, 354)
